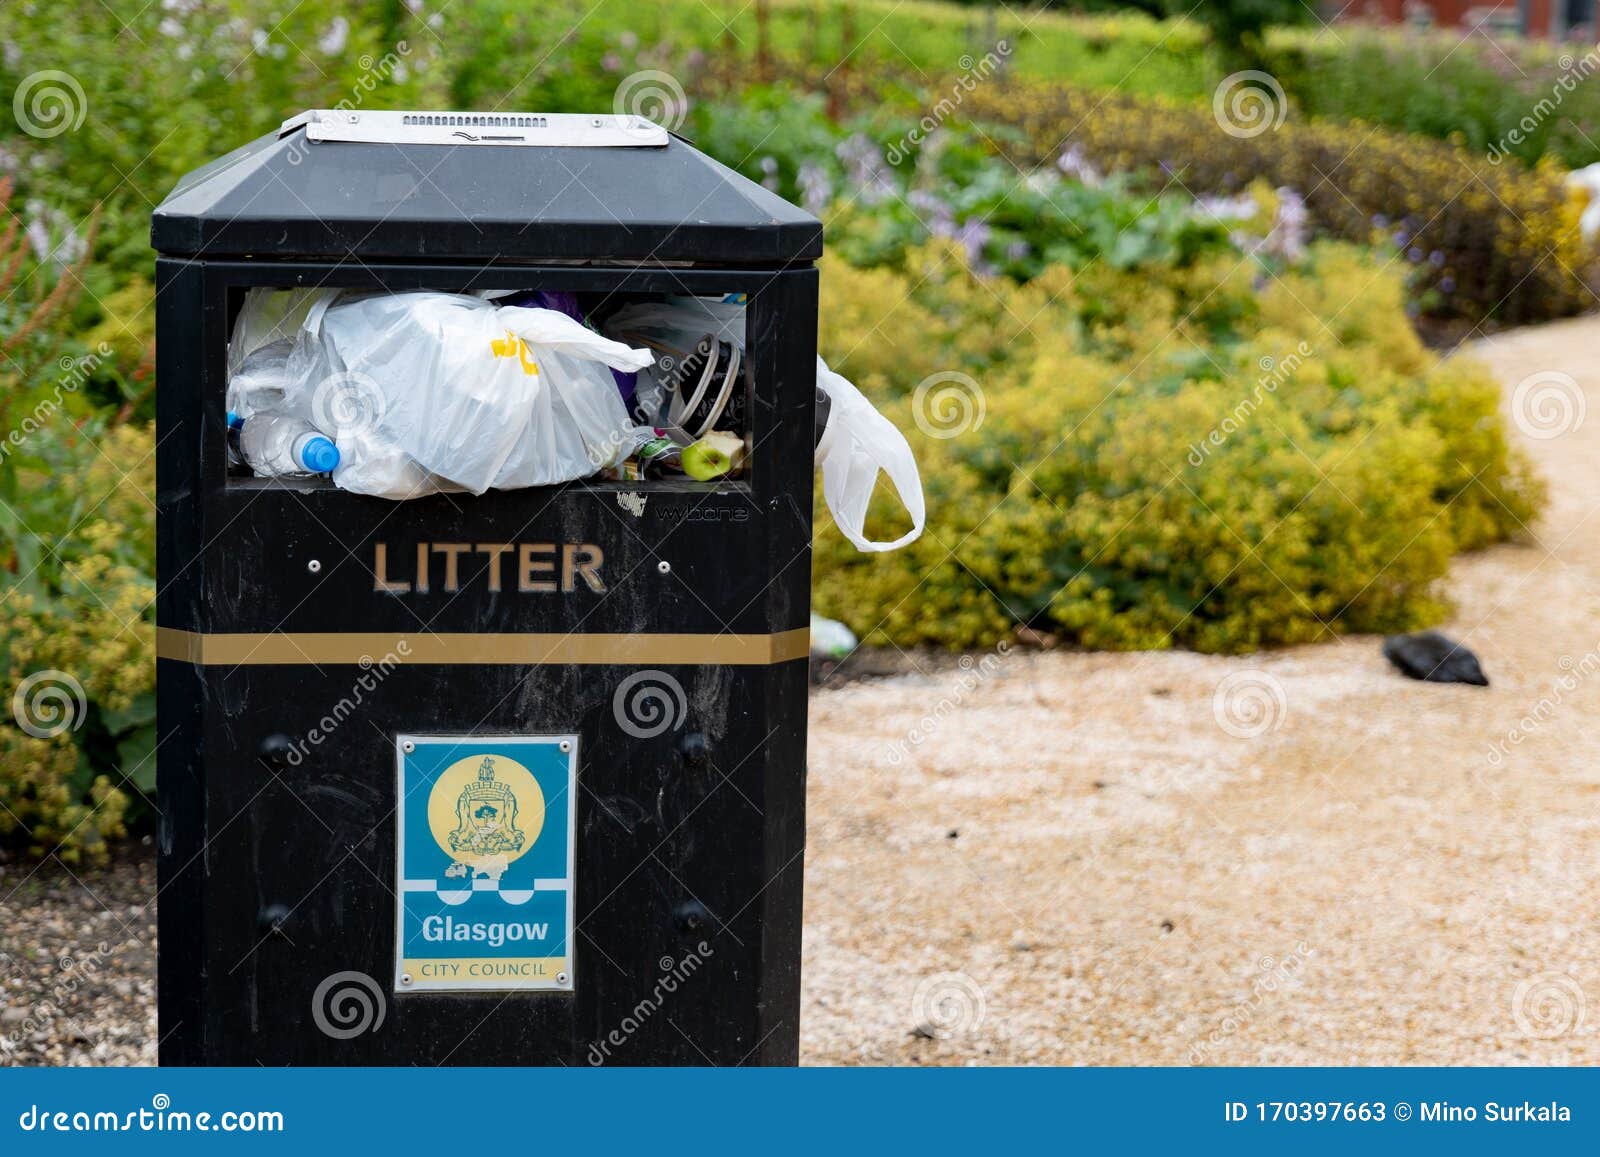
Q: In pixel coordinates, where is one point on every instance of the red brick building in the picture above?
(1540, 19)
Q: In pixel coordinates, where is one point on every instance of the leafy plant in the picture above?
(1487, 242)
(77, 549)
(1128, 474)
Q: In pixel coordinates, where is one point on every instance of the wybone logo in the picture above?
(525, 567)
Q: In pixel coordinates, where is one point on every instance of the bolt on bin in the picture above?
(510, 776)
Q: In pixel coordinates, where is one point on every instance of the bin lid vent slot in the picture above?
(543, 130)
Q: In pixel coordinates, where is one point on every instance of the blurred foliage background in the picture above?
(1209, 402)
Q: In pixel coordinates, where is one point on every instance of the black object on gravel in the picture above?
(1435, 658)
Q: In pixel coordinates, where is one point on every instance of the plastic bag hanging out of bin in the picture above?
(419, 750)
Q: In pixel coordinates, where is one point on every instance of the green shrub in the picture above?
(880, 203)
(180, 85)
(77, 546)
(1482, 242)
(78, 622)
(1139, 479)
(1472, 92)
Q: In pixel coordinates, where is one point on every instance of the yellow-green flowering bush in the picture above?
(1167, 457)
(78, 618)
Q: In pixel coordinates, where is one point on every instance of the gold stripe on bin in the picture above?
(293, 648)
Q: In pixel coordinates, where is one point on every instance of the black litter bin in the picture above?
(514, 778)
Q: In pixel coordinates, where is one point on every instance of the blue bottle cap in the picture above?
(319, 455)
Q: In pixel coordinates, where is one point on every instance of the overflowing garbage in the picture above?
(404, 395)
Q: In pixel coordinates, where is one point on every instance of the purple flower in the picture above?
(1287, 237)
(974, 236)
(816, 190)
(337, 35)
(1076, 164)
(866, 169)
(935, 213)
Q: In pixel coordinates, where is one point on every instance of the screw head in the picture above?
(561, 978)
(664, 567)
(695, 748)
(314, 566)
(405, 978)
(275, 750)
(269, 921)
(408, 747)
(566, 745)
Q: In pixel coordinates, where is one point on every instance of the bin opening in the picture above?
(400, 395)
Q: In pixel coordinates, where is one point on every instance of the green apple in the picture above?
(713, 456)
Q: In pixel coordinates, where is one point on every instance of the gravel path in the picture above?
(1067, 859)
(78, 964)
(1089, 859)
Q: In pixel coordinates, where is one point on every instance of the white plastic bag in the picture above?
(435, 391)
(857, 443)
(673, 328)
(272, 315)
(681, 319)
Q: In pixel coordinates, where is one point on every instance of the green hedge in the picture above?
(1127, 472)
(1478, 241)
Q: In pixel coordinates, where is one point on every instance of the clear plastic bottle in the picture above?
(273, 444)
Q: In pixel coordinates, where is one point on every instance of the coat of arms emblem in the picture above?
(486, 835)
(486, 816)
